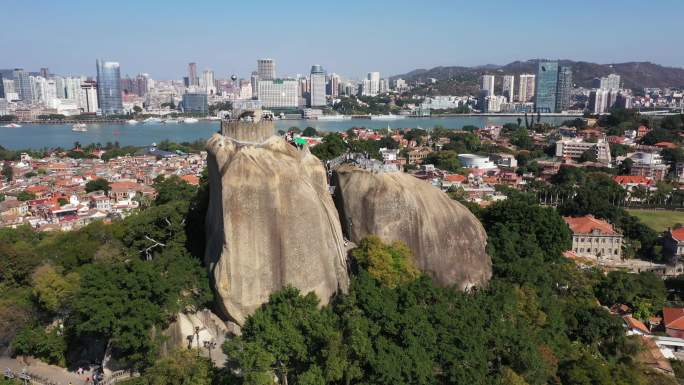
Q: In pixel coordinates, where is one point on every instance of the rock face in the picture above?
(181, 334)
(447, 240)
(271, 222)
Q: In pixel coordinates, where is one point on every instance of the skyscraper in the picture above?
(546, 87)
(317, 94)
(279, 93)
(2, 88)
(526, 88)
(88, 98)
(487, 85)
(563, 99)
(508, 87)
(371, 85)
(207, 82)
(109, 87)
(45, 72)
(334, 85)
(193, 80)
(22, 85)
(266, 69)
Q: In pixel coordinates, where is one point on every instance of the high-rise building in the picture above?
(109, 87)
(546, 87)
(317, 93)
(508, 87)
(141, 85)
(195, 102)
(487, 85)
(254, 80)
(384, 86)
(279, 93)
(89, 95)
(207, 82)
(371, 85)
(400, 85)
(598, 100)
(60, 86)
(610, 82)
(2, 88)
(526, 88)
(22, 85)
(564, 97)
(333, 85)
(72, 89)
(45, 72)
(193, 80)
(266, 69)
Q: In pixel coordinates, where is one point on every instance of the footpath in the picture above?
(42, 372)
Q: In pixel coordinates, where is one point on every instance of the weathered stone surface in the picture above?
(181, 334)
(447, 240)
(270, 222)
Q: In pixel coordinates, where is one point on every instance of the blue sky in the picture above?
(348, 37)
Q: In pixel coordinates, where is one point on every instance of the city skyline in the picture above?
(151, 41)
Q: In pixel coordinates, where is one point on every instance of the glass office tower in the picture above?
(109, 87)
(546, 87)
(564, 95)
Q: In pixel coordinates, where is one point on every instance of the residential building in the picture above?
(610, 82)
(526, 88)
(2, 88)
(598, 100)
(546, 87)
(278, 93)
(88, 97)
(371, 85)
(673, 242)
(574, 148)
(333, 86)
(266, 69)
(508, 88)
(195, 102)
(564, 97)
(673, 319)
(207, 82)
(487, 87)
(648, 164)
(109, 87)
(317, 94)
(594, 238)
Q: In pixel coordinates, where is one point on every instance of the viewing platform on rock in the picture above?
(250, 126)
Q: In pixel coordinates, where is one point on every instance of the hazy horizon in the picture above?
(161, 38)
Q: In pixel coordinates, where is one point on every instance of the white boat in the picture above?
(191, 120)
(12, 125)
(79, 127)
(152, 120)
(132, 121)
(333, 117)
(387, 117)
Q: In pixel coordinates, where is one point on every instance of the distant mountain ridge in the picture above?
(635, 75)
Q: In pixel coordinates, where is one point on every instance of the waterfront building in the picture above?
(526, 88)
(72, 88)
(88, 97)
(266, 69)
(564, 97)
(546, 87)
(487, 85)
(384, 86)
(371, 85)
(317, 94)
(207, 82)
(279, 93)
(254, 81)
(109, 87)
(334, 85)
(195, 102)
(2, 88)
(22, 84)
(400, 85)
(60, 87)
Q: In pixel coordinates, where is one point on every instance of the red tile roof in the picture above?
(634, 323)
(665, 145)
(455, 178)
(632, 179)
(587, 224)
(191, 179)
(677, 234)
(674, 317)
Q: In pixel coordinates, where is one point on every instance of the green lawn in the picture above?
(659, 220)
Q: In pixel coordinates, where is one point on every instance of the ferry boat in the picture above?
(152, 120)
(334, 117)
(387, 117)
(132, 121)
(12, 125)
(190, 120)
(79, 127)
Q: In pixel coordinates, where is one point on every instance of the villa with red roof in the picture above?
(673, 317)
(628, 182)
(673, 242)
(594, 238)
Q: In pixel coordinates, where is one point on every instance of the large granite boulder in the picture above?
(447, 240)
(271, 222)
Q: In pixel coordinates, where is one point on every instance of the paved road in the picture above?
(53, 373)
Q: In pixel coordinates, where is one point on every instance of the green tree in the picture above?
(99, 184)
(331, 147)
(51, 289)
(181, 367)
(25, 196)
(173, 188)
(391, 264)
(444, 160)
(309, 132)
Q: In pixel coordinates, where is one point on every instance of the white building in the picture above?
(610, 82)
(526, 88)
(266, 69)
(88, 100)
(371, 85)
(207, 82)
(508, 87)
(488, 84)
(400, 85)
(574, 148)
(279, 93)
(476, 161)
